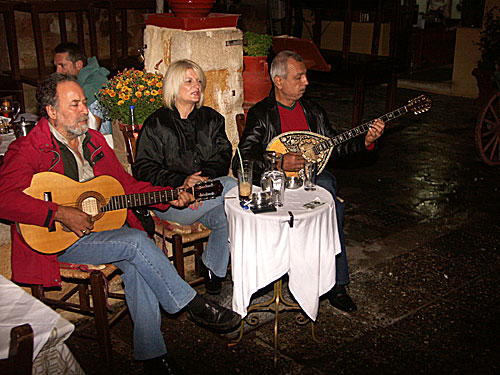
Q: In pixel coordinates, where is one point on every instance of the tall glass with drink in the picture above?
(245, 172)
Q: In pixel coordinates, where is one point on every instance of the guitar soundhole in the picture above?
(91, 203)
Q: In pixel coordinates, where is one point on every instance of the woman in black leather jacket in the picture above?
(184, 143)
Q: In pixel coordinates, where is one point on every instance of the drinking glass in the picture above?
(245, 180)
(311, 172)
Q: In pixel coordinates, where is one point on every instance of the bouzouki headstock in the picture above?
(420, 104)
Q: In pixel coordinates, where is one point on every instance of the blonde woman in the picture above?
(184, 143)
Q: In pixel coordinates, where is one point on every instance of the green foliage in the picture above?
(489, 42)
(256, 44)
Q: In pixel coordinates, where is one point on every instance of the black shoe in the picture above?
(160, 365)
(339, 299)
(212, 316)
(213, 284)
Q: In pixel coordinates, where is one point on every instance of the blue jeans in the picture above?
(212, 215)
(327, 180)
(149, 277)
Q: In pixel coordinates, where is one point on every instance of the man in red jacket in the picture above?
(62, 143)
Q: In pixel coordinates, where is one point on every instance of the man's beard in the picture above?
(78, 131)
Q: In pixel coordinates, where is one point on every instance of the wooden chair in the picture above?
(10, 81)
(20, 360)
(35, 9)
(179, 236)
(363, 69)
(114, 8)
(88, 281)
(240, 124)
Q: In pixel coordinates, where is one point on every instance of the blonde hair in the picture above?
(174, 78)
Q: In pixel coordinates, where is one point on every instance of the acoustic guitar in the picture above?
(318, 148)
(102, 197)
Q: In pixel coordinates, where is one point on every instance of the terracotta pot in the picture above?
(256, 80)
(191, 8)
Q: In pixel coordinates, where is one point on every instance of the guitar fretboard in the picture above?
(345, 136)
(141, 199)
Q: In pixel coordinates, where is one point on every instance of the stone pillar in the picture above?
(218, 51)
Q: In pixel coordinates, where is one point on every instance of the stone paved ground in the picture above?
(423, 239)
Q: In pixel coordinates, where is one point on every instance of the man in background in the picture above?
(70, 58)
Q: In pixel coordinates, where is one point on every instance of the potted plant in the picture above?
(131, 87)
(134, 87)
(487, 72)
(256, 81)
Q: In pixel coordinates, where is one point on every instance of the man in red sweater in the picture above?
(62, 143)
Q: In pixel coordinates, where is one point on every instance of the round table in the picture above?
(266, 246)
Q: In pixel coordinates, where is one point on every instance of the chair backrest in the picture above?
(240, 123)
(350, 11)
(20, 360)
(130, 137)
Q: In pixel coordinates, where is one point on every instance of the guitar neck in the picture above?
(345, 136)
(141, 199)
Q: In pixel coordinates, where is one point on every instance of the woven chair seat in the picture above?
(189, 233)
(83, 271)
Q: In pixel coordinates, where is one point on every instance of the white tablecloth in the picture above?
(264, 248)
(50, 354)
(6, 141)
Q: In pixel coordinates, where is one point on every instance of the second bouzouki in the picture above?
(102, 197)
(318, 148)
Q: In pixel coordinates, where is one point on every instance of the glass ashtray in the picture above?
(261, 199)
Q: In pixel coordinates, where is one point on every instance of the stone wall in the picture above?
(222, 64)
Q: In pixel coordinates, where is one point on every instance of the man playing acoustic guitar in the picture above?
(285, 110)
(62, 143)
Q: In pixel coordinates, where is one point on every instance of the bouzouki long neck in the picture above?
(345, 136)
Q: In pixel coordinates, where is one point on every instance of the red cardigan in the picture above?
(38, 152)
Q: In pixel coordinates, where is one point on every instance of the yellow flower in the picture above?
(154, 92)
(147, 93)
(159, 85)
(120, 102)
(138, 94)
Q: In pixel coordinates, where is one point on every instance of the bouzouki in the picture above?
(318, 148)
(103, 198)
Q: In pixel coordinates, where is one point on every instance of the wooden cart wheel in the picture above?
(488, 132)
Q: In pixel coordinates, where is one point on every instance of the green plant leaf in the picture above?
(256, 44)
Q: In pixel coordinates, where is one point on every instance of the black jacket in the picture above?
(263, 124)
(165, 156)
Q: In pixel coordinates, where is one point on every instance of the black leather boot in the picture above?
(213, 284)
(339, 299)
(160, 365)
(211, 315)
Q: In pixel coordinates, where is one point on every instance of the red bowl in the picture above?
(191, 8)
